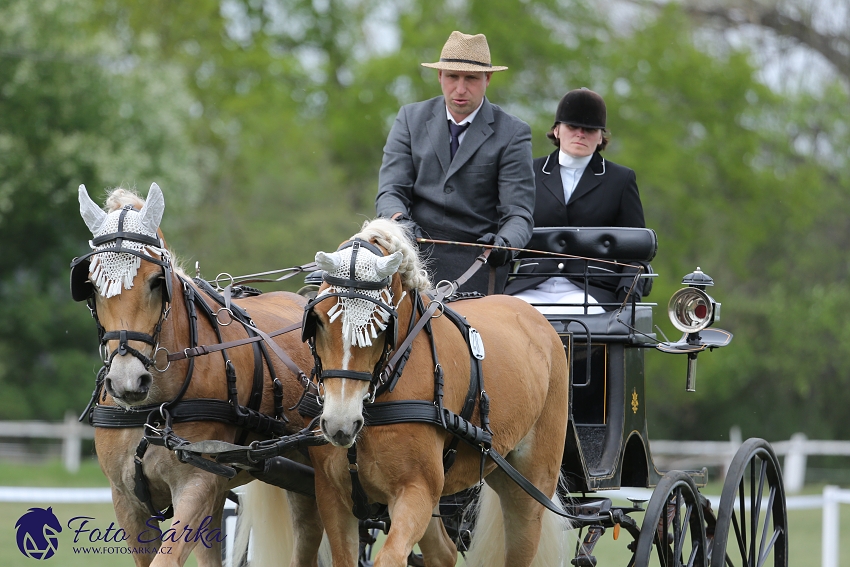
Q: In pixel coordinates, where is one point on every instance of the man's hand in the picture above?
(498, 257)
(415, 230)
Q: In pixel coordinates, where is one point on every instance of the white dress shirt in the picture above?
(572, 168)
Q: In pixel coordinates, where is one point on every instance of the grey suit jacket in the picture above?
(487, 187)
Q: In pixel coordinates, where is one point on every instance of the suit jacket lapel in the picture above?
(438, 133)
(590, 179)
(551, 175)
(476, 134)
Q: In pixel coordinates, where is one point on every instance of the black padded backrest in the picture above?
(606, 243)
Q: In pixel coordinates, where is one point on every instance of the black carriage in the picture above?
(607, 444)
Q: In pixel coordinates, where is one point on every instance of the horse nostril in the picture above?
(323, 425)
(145, 381)
(108, 384)
(358, 424)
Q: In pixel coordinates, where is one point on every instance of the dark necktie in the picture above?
(456, 130)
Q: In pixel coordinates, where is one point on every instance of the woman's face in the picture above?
(576, 140)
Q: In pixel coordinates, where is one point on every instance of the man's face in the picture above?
(463, 91)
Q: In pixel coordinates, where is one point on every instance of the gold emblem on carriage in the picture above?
(634, 400)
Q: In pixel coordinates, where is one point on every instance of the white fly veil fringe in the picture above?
(362, 320)
(110, 270)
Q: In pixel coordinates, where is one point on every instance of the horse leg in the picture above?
(341, 526)
(437, 547)
(308, 530)
(410, 511)
(131, 516)
(198, 503)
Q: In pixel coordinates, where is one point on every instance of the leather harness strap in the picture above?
(207, 349)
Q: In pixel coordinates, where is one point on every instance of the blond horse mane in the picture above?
(120, 197)
(395, 237)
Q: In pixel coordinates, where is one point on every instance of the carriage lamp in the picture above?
(693, 311)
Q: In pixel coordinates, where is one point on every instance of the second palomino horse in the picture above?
(410, 420)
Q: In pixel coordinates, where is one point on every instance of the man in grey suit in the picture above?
(459, 168)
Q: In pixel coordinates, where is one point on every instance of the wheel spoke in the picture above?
(767, 515)
(660, 546)
(678, 528)
(755, 506)
(693, 556)
(683, 533)
(740, 537)
(742, 532)
(770, 545)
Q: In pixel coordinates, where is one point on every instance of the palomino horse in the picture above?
(148, 314)
(357, 323)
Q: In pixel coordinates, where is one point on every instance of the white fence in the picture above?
(685, 454)
(71, 432)
(668, 454)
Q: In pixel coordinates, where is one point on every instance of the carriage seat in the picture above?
(608, 327)
(606, 243)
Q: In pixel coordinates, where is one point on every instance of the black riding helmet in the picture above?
(582, 107)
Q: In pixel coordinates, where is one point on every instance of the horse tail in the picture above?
(557, 538)
(264, 516)
(488, 541)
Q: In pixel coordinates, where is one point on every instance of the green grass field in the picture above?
(804, 525)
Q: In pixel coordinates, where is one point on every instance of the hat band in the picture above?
(470, 61)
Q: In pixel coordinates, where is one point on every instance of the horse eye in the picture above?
(156, 282)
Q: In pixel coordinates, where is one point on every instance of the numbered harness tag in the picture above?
(476, 345)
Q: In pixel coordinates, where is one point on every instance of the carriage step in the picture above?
(587, 506)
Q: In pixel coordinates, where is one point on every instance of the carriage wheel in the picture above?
(752, 526)
(673, 533)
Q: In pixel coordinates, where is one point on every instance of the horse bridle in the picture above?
(348, 288)
(83, 290)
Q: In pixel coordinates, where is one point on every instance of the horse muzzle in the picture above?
(128, 381)
(341, 435)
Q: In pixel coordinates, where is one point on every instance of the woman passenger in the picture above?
(577, 187)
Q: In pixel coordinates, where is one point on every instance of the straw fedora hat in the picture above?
(465, 53)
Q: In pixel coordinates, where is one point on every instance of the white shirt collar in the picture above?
(566, 160)
(468, 119)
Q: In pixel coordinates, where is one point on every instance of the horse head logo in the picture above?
(37, 533)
